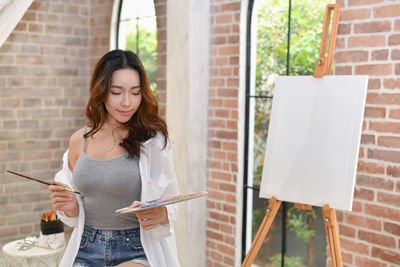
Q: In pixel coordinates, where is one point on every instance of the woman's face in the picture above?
(124, 96)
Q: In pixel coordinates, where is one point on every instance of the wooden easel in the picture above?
(323, 67)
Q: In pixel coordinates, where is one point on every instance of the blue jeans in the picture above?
(109, 248)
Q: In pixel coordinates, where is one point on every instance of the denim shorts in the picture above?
(109, 248)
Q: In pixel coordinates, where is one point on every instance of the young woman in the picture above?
(122, 155)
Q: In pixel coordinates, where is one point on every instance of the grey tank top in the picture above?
(107, 185)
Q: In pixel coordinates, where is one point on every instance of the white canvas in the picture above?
(313, 140)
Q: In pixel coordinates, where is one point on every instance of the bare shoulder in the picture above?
(75, 147)
(75, 140)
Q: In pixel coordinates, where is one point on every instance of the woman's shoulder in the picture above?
(76, 137)
(75, 141)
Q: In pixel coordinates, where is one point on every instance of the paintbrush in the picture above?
(43, 182)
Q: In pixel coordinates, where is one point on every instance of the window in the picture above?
(281, 40)
(136, 30)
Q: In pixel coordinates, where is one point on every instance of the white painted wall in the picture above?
(188, 26)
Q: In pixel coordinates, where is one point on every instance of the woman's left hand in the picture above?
(150, 218)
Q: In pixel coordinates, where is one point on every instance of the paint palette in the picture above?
(162, 202)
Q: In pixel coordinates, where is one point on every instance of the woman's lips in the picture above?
(125, 113)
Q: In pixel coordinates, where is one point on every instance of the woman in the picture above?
(122, 155)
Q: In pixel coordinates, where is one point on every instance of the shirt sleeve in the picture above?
(65, 176)
(162, 168)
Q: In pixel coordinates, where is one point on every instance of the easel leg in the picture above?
(270, 214)
(332, 234)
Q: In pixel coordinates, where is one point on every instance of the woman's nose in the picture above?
(125, 100)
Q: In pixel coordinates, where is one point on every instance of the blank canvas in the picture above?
(314, 139)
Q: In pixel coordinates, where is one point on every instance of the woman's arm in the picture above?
(65, 202)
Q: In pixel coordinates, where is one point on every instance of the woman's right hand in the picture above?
(63, 200)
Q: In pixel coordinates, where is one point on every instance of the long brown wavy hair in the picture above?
(145, 123)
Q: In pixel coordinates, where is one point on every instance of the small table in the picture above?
(35, 256)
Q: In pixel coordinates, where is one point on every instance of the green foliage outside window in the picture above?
(144, 43)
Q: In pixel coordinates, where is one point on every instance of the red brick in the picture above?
(394, 39)
(227, 92)
(389, 199)
(343, 29)
(221, 29)
(373, 27)
(340, 43)
(374, 84)
(367, 262)
(364, 2)
(391, 83)
(386, 255)
(221, 176)
(347, 70)
(363, 221)
(230, 7)
(393, 171)
(354, 14)
(379, 239)
(214, 235)
(367, 139)
(382, 54)
(229, 208)
(217, 82)
(353, 246)
(231, 124)
(385, 99)
(218, 40)
(351, 56)
(375, 182)
(387, 155)
(364, 194)
(386, 127)
(370, 167)
(228, 50)
(395, 54)
(223, 18)
(361, 153)
(374, 69)
(345, 230)
(222, 113)
(389, 141)
(226, 134)
(382, 212)
(374, 112)
(229, 261)
(216, 256)
(387, 11)
(367, 41)
(392, 228)
(346, 258)
(226, 249)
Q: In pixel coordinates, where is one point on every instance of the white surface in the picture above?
(187, 70)
(313, 140)
(35, 256)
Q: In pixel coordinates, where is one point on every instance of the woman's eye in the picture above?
(138, 93)
(115, 93)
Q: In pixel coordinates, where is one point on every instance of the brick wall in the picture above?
(44, 77)
(161, 79)
(100, 19)
(223, 133)
(368, 44)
